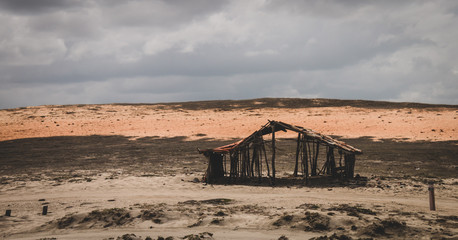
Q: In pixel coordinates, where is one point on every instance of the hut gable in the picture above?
(247, 156)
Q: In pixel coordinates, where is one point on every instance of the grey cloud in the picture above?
(69, 26)
(157, 14)
(149, 51)
(37, 7)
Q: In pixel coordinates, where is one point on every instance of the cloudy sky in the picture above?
(71, 51)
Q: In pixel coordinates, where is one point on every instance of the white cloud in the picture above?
(261, 53)
(216, 29)
(20, 51)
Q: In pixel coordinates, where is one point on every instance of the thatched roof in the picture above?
(281, 126)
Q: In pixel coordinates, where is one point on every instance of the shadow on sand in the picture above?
(291, 181)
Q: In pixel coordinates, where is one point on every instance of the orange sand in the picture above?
(435, 124)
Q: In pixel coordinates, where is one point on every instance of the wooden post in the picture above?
(265, 156)
(309, 154)
(349, 160)
(249, 170)
(305, 160)
(352, 173)
(314, 161)
(432, 201)
(247, 161)
(273, 154)
(215, 168)
(8, 213)
(224, 165)
(297, 153)
(239, 160)
(233, 158)
(257, 158)
(332, 161)
(254, 166)
(45, 210)
(242, 163)
(259, 163)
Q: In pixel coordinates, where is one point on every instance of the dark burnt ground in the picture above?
(150, 155)
(386, 157)
(420, 158)
(228, 105)
(55, 155)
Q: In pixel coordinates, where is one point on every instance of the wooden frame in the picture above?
(244, 165)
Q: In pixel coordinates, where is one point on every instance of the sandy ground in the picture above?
(254, 212)
(110, 203)
(435, 124)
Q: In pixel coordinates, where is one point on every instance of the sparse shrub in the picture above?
(65, 222)
(316, 221)
(283, 220)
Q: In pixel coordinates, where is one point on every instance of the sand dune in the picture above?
(432, 124)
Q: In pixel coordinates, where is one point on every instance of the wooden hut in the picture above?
(248, 157)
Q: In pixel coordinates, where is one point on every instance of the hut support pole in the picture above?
(224, 164)
(265, 156)
(254, 166)
(314, 160)
(297, 153)
(273, 154)
(259, 163)
(305, 160)
(249, 168)
(332, 161)
(349, 165)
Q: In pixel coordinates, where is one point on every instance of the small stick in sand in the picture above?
(432, 202)
(45, 210)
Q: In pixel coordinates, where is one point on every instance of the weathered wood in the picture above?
(432, 200)
(332, 162)
(215, 169)
(273, 154)
(257, 157)
(309, 155)
(248, 172)
(340, 158)
(349, 165)
(317, 152)
(314, 160)
(254, 166)
(259, 163)
(265, 157)
(297, 153)
(45, 210)
(243, 163)
(224, 164)
(305, 160)
(246, 164)
(234, 162)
